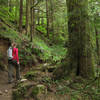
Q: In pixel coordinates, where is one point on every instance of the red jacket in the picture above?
(15, 54)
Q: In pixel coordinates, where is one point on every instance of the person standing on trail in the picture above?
(10, 64)
(16, 61)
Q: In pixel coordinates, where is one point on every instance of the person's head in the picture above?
(14, 45)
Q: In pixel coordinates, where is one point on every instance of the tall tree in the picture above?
(16, 11)
(21, 16)
(51, 16)
(96, 27)
(32, 18)
(38, 17)
(97, 44)
(42, 21)
(47, 15)
(10, 5)
(80, 51)
(28, 16)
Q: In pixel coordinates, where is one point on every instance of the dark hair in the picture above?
(14, 44)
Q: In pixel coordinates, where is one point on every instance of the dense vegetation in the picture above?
(59, 45)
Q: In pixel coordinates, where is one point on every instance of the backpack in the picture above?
(9, 53)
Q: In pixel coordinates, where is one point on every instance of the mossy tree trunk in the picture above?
(48, 19)
(38, 17)
(16, 12)
(97, 43)
(42, 21)
(51, 16)
(80, 50)
(10, 5)
(21, 16)
(32, 31)
(28, 17)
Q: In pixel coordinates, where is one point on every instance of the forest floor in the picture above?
(5, 88)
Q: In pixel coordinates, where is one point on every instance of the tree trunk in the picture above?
(21, 16)
(47, 15)
(16, 11)
(97, 45)
(32, 20)
(27, 16)
(51, 16)
(80, 50)
(10, 5)
(42, 21)
(38, 17)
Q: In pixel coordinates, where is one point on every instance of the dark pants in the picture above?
(11, 65)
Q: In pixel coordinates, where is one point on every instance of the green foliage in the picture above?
(42, 30)
(35, 91)
(30, 75)
(3, 2)
(39, 89)
(20, 92)
(81, 89)
(8, 17)
(9, 33)
(49, 53)
(47, 80)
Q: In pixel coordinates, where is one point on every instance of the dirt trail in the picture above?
(5, 88)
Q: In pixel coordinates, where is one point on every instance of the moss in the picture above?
(39, 89)
(20, 92)
(17, 95)
(30, 75)
(80, 49)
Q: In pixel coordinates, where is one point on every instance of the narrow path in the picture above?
(5, 88)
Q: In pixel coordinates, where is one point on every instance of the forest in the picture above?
(58, 44)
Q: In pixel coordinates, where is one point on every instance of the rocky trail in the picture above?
(5, 88)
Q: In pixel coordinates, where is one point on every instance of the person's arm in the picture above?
(17, 56)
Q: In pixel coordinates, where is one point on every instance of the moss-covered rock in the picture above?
(21, 90)
(31, 75)
(17, 95)
(27, 90)
(38, 90)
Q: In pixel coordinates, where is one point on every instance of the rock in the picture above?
(6, 91)
(1, 93)
(23, 80)
(39, 89)
(46, 64)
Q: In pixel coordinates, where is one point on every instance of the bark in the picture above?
(10, 5)
(51, 16)
(80, 50)
(97, 45)
(16, 11)
(42, 21)
(38, 18)
(32, 20)
(27, 17)
(47, 15)
(21, 16)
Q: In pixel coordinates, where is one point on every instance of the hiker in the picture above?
(16, 61)
(10, 64)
